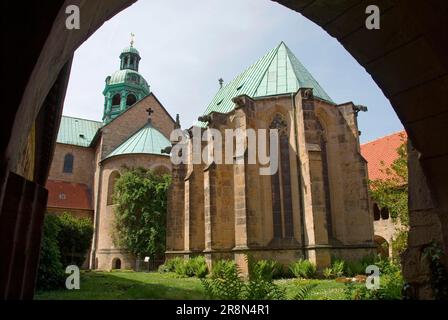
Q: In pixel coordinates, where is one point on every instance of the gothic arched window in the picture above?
(281, 184)
(68, 163)
(130, 100)
(116, 99)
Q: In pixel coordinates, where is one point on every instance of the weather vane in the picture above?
(132, 39)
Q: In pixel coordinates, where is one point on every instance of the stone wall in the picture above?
(323, 181)
(132, 120)
(424, 227)
(83, 164)
(105, 248)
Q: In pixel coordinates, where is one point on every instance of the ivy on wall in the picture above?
(392, 193)
(140, 198)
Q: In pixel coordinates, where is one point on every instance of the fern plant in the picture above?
(224, 282)
(260, 285)
(338, 267)
(328, 273)
(304, 291)
(170, 265)
(194, 267)
(303, 269)
(270, 269)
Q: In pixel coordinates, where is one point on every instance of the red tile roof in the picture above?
(382, 150)
(68, 195)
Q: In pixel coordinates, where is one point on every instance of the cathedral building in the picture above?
(89, 155)
(315, 206)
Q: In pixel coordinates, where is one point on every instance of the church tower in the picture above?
(124, 87)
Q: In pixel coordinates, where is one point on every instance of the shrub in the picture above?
(270, 269)
(303, 269)
(354, 268)
(338, 267)
(260, 285)
(51, 272)
(399, 244)
(182, 269)
(197, 267)
(170, 265)
(74, 239)
(194, 267)
(225, 282)
(391, 284)
(390, 289)
(435, 255)
(163, 268)
(387, 266)
(66, 241)
(328, 273)
(140, 198)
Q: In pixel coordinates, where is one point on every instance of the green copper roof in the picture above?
(278, 72)
(128, 76)
(78, 132)
(147, 140)
(130, 50)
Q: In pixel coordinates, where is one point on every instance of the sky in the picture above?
(186, 46)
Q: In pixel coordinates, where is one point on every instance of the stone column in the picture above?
(424, 227)
(175, 211)
(316, 240)
(210, 210)
(194, 233)
(123, 100)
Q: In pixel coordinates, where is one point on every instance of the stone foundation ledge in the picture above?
(106, 259)
(321, 255)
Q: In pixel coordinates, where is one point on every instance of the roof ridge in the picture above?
(131, 138)
(269, 75)
(65, 116)
(291, 55)
(139, 138)
(266, 68)
(386, 136)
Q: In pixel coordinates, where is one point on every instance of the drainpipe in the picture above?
(299, 165)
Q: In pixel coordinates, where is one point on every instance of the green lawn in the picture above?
(140, 285)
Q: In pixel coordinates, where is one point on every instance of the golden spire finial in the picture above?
(132, 39)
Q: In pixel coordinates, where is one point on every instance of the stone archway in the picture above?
(382, 248)
(116, 263)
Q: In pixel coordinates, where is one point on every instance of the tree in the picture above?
(140, 198)
(74, 238)
(66, 240)
(392, 193)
